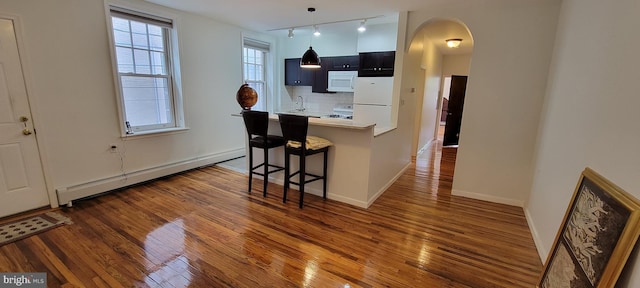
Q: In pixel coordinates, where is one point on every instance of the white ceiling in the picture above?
(275, 16)
(264, 15)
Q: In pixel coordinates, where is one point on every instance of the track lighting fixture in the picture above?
(362, 27)
(316, 26)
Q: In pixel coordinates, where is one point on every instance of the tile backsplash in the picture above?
(316, 102)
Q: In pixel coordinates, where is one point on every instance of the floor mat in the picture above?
(29, 226)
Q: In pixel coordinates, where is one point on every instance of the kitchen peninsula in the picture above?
(348, 172)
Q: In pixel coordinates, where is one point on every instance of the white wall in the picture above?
(590, 116)
(378, 37)
(69, 74)
(338, 42)
(456, 65)
(426, 106)
(504, 95)
(391, 152)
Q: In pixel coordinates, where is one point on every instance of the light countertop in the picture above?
(329, 122)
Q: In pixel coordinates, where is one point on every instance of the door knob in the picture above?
(24, 119)
(26, 131)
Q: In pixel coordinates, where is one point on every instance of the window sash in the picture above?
(145, 78)
(152, 96)
(254, 63)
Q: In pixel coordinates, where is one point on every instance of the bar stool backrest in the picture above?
(257, 122)
(294, 128)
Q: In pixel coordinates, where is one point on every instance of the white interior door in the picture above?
(22, 185)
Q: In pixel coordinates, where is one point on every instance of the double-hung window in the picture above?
(255, 55)
(149, 100)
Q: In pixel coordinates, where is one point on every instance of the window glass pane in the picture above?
(156, 43)
(158, 64)
(251, 56)
(138, 27)
(140, 41)
(122, 38)
(142, 61)
(147, 100)
(120, 24)
(125, 60)
(154, 30)
(251, 72)
(260, 74)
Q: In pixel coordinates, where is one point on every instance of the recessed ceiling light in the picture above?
(453, 43)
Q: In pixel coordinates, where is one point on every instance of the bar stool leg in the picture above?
(266, 172)
(287, 172)
(301, 180)
(250, 168)
(324, 176)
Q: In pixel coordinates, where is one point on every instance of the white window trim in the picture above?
(270, 68)
(174, 51)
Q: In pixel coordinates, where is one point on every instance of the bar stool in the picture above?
(294, 130)
(257, 124)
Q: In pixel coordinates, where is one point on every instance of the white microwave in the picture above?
(342, 81)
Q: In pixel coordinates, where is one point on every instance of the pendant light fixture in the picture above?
(310, 58)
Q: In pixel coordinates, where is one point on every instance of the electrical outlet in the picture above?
(113, 148)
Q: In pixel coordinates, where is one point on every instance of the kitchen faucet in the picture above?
(300, 102)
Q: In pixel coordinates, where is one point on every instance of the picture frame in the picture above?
(596, 237)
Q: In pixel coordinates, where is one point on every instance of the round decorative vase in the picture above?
(246, 97)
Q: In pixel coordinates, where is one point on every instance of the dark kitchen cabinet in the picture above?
(296, 76)
(345, 63)
(320, 76)
(377, 64)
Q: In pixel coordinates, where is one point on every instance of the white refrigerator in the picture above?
(372, 100)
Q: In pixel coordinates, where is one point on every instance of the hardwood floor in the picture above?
(202, 229)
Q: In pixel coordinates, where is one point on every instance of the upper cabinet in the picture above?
(344, 63)
(319, 84)
(296, 76)
(377, 64)
(378, 37)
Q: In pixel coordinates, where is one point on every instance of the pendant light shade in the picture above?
(310, 59)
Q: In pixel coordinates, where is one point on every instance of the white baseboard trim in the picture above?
(542, 250)
(425, 148)
(383, 189)
(489, 198)
(70, 193)
(318, 192)
(315, 191)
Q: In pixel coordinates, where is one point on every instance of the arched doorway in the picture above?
(440, 66)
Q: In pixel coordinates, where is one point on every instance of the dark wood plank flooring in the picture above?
(202, 229)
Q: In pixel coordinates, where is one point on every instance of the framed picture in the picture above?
(599, 230)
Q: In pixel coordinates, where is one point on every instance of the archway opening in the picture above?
(441, 72)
